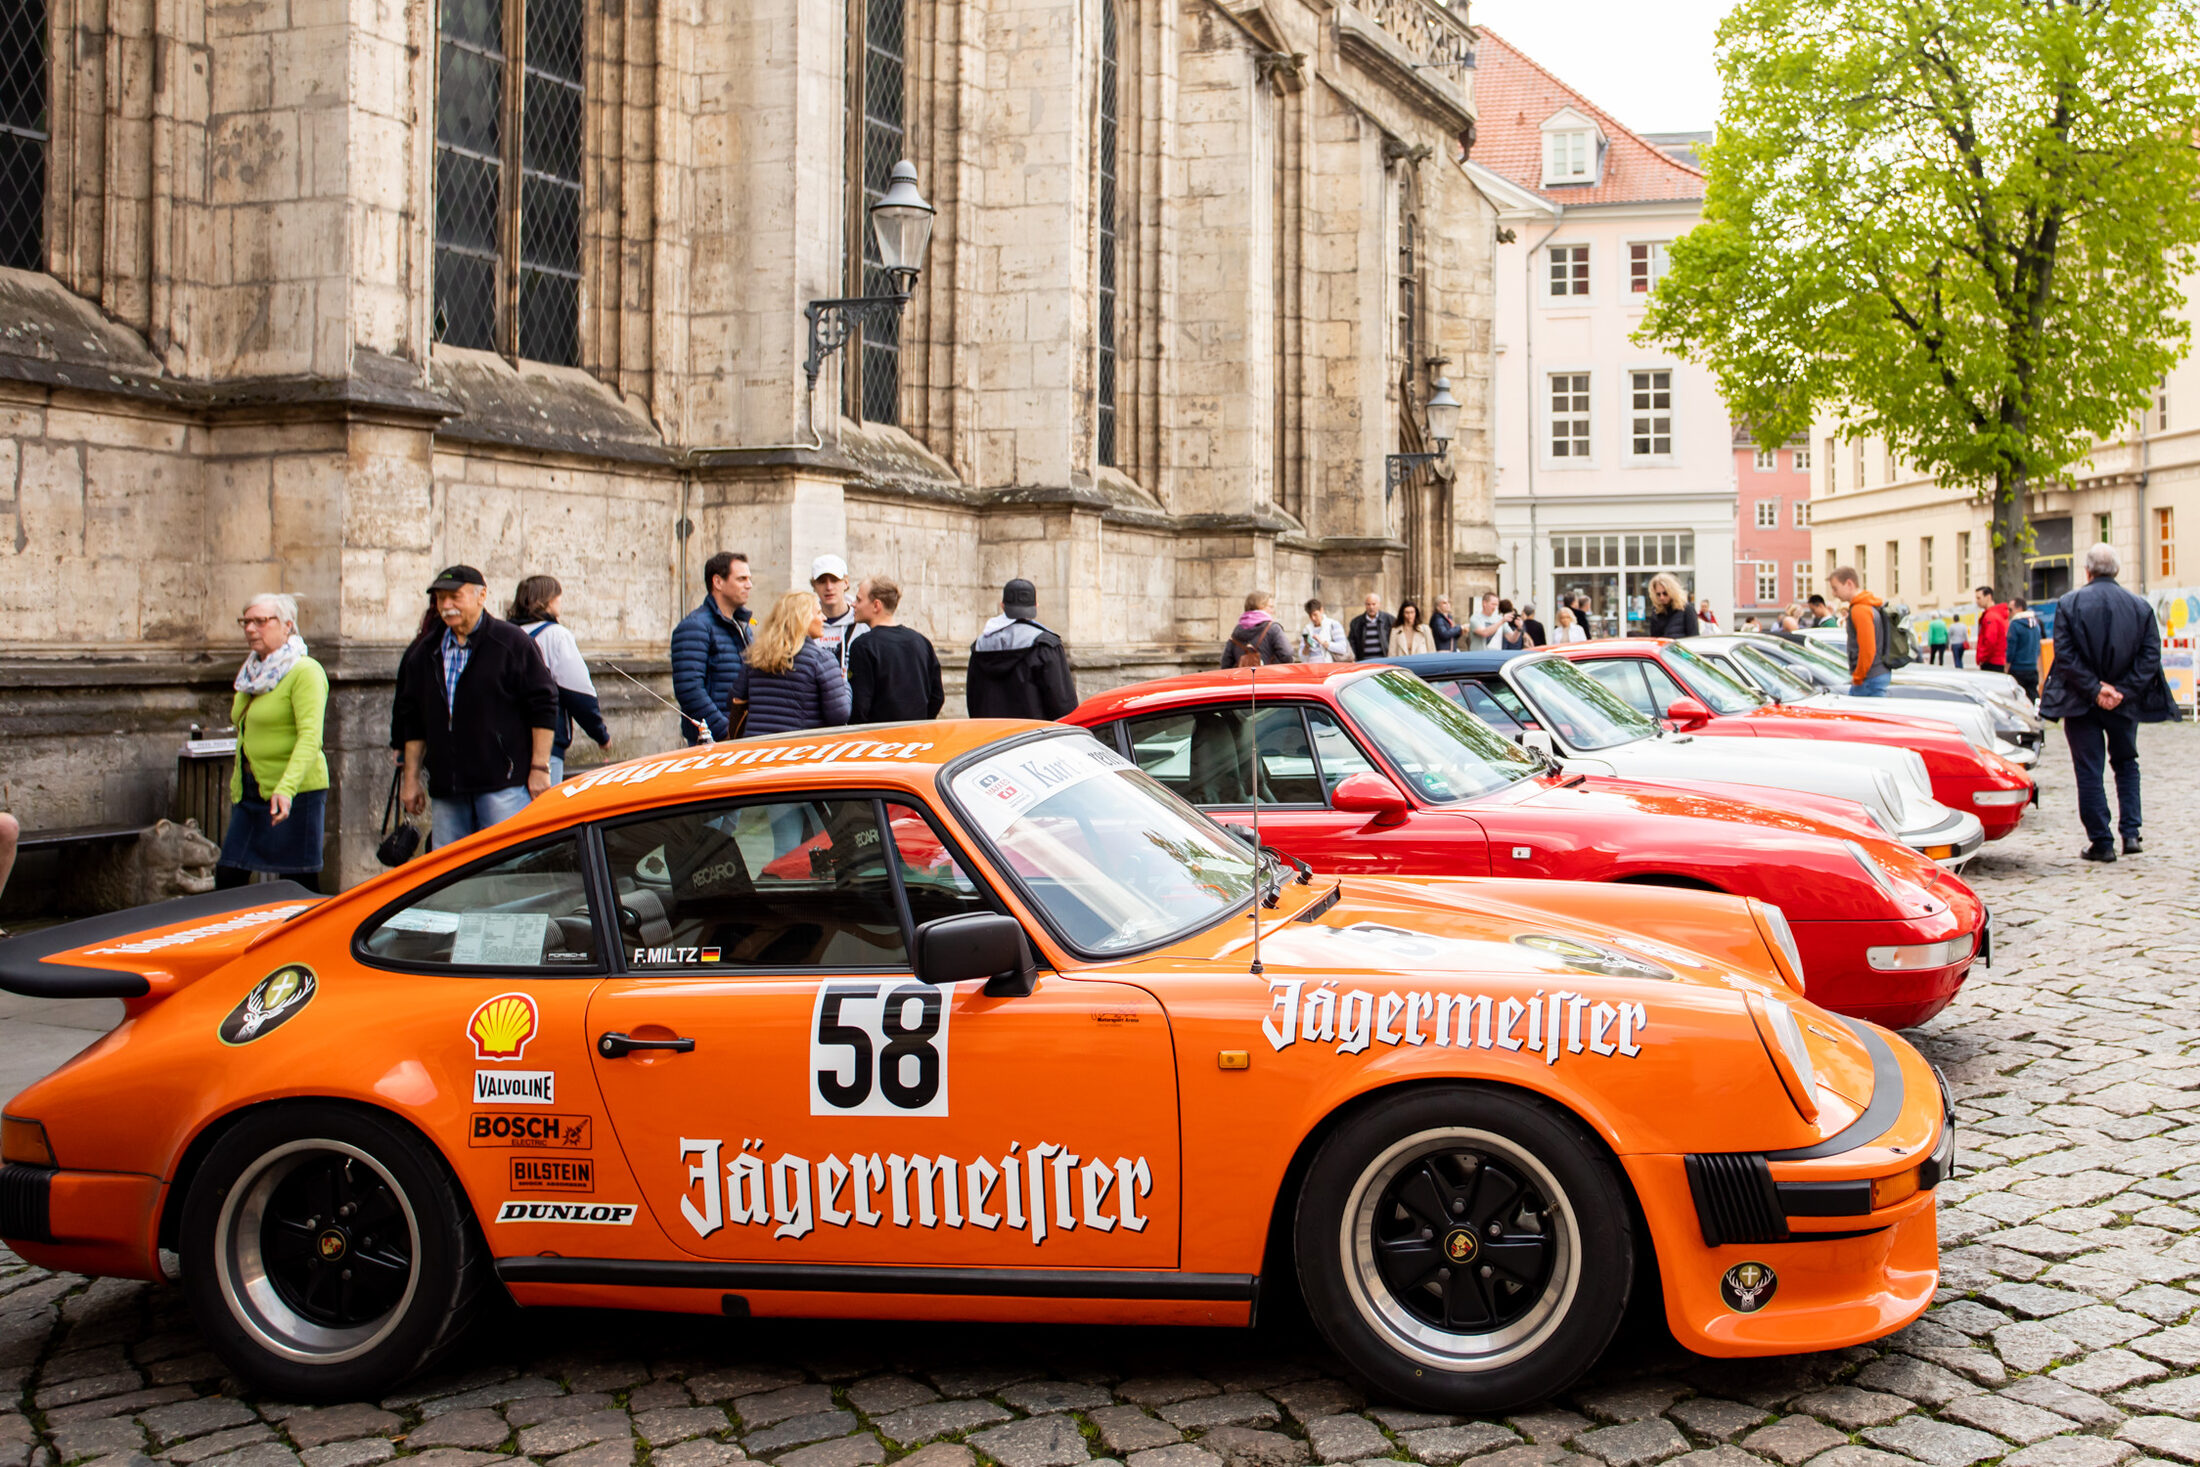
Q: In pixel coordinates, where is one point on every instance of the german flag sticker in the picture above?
(710, 955)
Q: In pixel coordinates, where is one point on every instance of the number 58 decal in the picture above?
(879, 1049)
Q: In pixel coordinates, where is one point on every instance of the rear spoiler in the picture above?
(25, 965)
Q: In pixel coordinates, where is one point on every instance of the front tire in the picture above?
(327, 1252)
(1465, 1249)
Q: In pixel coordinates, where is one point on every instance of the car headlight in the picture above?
(1997, 798)
(1775, 925)
(1783, 1040)
(1920, 955)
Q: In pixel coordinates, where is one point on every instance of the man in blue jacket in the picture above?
(707, 646)
(2024, 647)
(2106, 681)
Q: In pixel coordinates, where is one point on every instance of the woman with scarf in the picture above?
(1257, 640)
(278, 791)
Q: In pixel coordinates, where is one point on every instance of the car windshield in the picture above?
(1113, 859)
(1771, 676)
(1444, 752)
(1719, 689)
(1824, 655)
(1585, 713)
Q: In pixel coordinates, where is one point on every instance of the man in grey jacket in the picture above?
(1019, 669)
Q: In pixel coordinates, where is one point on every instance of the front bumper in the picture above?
(1846, 1272)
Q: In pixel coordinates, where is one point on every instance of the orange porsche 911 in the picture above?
(968, 1021)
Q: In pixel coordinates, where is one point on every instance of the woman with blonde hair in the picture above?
(278, 791)
(1568, 630)
(787, 679)
(1670, 613)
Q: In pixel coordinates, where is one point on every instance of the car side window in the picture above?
(1341, 757)
(529, 910)
(1206, 755)
(1476, 700)
(1624, 677)
(931, 875)
(1665, 690)
(792, 884)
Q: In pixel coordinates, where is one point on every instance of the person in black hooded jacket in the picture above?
(1019, 669)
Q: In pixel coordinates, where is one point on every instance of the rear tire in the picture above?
(1464, 1249)
(327, 1252)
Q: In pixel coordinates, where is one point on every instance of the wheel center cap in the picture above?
(332, 1244)
(1460, 1245)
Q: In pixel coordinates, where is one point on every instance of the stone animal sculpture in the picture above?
(166, 860)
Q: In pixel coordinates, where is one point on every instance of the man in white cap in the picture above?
(829, 579)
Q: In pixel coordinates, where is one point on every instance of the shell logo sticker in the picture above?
(272, 1003)
(501, 1027)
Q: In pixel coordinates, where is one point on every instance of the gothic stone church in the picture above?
(321, 295)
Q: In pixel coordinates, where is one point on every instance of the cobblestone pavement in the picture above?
(2065, 1335)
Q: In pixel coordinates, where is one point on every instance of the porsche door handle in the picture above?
(614, 1045)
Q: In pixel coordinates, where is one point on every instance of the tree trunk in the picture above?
(2011, 526)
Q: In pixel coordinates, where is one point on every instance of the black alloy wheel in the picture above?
(327, 1252)
(1465, 1248)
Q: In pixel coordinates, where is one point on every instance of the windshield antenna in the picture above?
(1257, 969)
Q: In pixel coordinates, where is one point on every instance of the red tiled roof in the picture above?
(1514, 97)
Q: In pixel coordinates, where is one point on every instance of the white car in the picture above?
(1549, 703)
(1747, 661)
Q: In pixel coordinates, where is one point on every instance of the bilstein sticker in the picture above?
(603, 1214)
(271, 1004)
(534, 1132)
(553, 1174)
(515, 1087)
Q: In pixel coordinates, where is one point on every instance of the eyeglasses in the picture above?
(247, 623)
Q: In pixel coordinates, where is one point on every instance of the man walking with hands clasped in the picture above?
(2106, 681)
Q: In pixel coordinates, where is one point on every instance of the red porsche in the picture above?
(1368, 769)
(1668, 680)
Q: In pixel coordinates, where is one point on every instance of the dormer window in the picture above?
(1573, 149)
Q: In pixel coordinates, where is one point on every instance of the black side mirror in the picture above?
(977, 945)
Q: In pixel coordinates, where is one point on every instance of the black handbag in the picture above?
(400, 837)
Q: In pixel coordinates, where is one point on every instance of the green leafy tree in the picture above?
(1963, 226)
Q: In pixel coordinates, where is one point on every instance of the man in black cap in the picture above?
(1019, 669)
(479, 707)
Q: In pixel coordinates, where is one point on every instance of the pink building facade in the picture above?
(1772, 561)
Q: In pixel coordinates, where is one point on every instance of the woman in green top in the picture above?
(279, 792)
(1936, 638)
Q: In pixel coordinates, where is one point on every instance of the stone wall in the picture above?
(226, 385)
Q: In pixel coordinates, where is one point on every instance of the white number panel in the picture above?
(878, 1047)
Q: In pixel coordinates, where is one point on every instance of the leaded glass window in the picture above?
(878, 77)
(25, 132)
(508, 178)
(1110, 117)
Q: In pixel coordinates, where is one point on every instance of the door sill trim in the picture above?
(830, 1278)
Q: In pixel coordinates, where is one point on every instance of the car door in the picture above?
(799, 1096)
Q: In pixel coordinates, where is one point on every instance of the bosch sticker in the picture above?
(534, 1131)
(271, 1003)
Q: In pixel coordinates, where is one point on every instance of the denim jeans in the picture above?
(456, 819)
(2089, 734)
(1874, 686)
(557, 767)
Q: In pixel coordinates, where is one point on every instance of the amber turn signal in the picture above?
(25, 1141)
(1887, 1191)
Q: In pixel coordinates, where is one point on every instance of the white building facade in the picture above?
(1614, 461)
